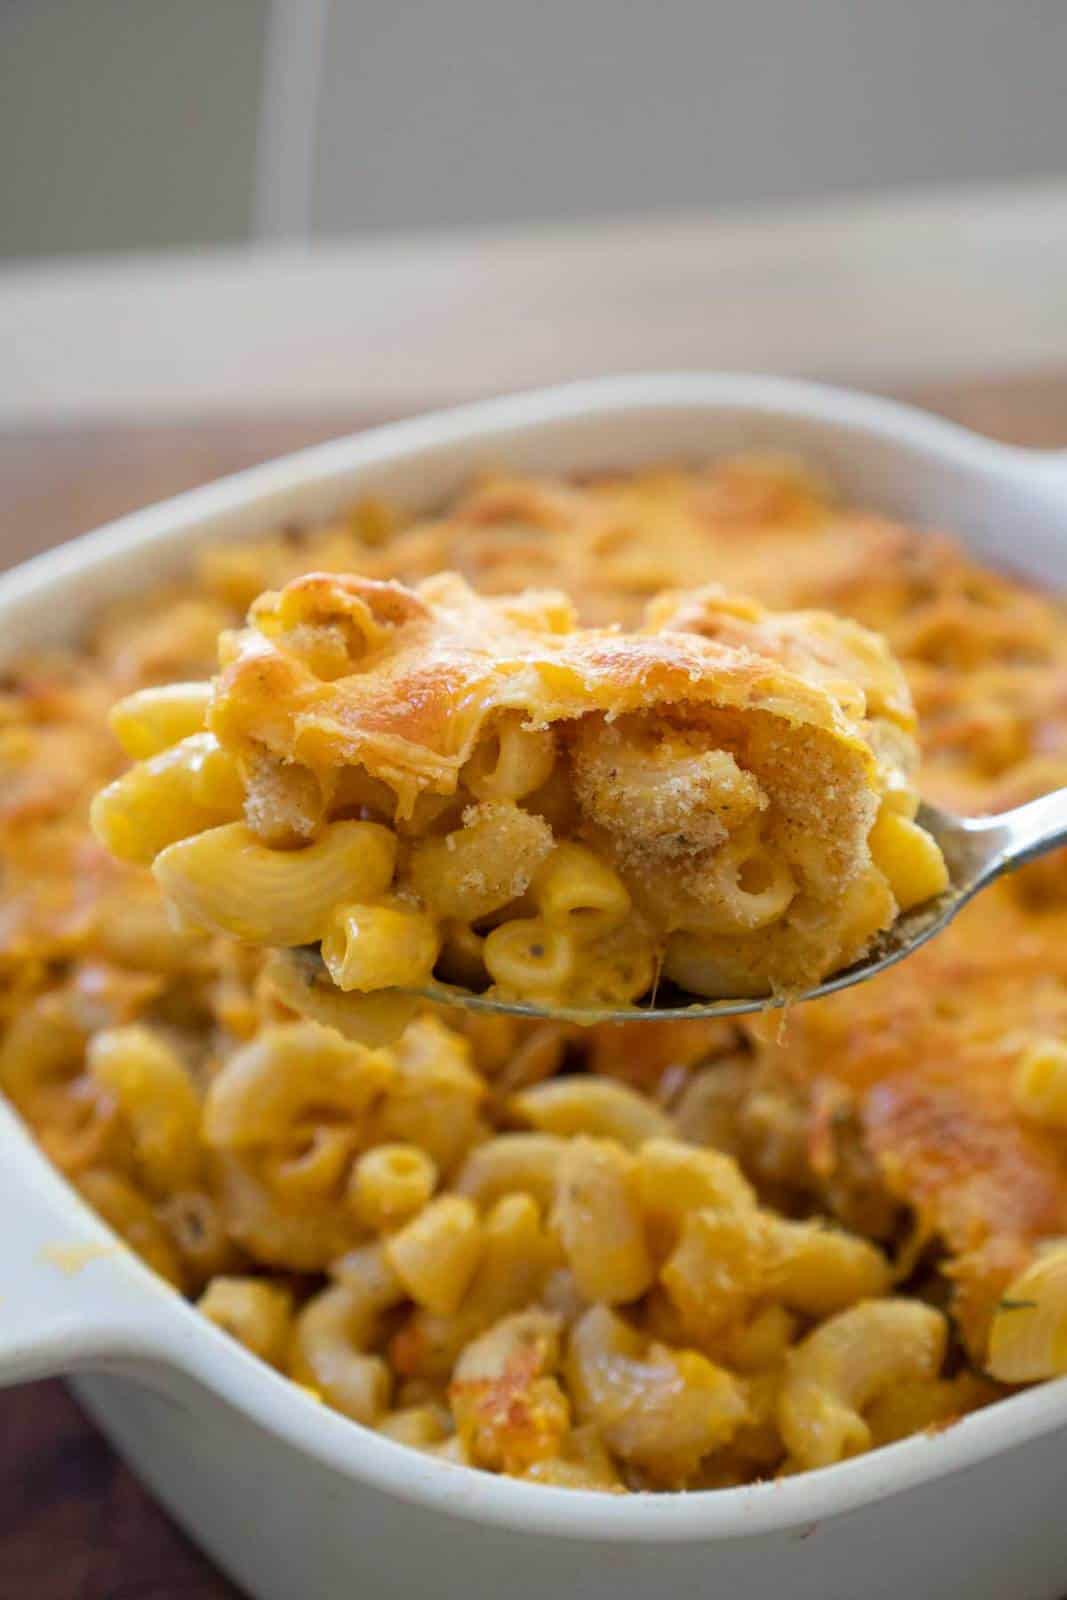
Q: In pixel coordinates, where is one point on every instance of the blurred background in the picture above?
(144, 124)
(350, 209)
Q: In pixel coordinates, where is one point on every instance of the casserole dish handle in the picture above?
(72, 1296)
(1052, 463)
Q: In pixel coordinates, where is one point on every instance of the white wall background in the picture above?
(446, 111)
(127, 123)
(132, 123)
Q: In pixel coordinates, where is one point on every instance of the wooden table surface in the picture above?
(74, 1523)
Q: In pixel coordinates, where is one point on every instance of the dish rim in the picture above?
(196, 1348)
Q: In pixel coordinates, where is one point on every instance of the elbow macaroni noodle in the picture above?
(675, 1257)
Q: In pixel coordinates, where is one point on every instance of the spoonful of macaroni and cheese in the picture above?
(422, 793)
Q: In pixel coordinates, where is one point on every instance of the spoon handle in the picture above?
(1013, 838)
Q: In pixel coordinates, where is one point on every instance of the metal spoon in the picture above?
(976, 850)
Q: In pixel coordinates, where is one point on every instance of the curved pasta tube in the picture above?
(510, 1412)
(186, 788)
(434, 1095)
(841, 1369)
(157, 1100)
(636, 777)
(927, 1403)
(746, 886)
(256, 1313)
(419, 1427)
(436, 1254)
(1040, 1083)
(578, 892)
(43, 1045)
(674, 1179)
(138, 933)
(482, 865)
(602, 1107)
(372, 1020)
(724, 1261)
(285, 803)
(42, 1057)
(524, 1059)
(510, 759)
(77, 1127)
(309, 1168)
(290, 1078)
(367, 947)
(695, 962)
(197, 1223)
(657, 1408)
(714, 1273)
(910, 859)
(390, 1183)
(362, 612)
(762, 1343)
(301, 1233)
(528, 959)
(512, 1163)
(818, 1270)
(1028, 1334)
(616, 968)
(599, 1221)
(223, 878)
(517, 1256)
(333, 1331)
(153, 719)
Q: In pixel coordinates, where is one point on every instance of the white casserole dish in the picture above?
(292, 1499)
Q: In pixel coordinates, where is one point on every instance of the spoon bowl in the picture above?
(977, 850)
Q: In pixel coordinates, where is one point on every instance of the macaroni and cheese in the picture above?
(681, 1255)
